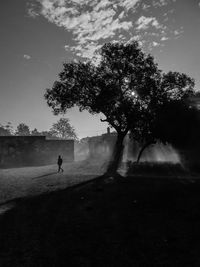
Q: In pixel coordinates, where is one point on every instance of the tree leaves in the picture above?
(126, 86)
(63, 130)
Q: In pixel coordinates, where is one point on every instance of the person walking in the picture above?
(59, 162)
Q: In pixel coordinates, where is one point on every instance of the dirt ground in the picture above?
(128, 221)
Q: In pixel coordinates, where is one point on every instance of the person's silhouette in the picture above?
(59, 162)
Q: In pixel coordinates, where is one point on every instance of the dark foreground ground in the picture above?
(108, 222)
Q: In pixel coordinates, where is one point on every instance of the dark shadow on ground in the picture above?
(44, 175)
(106, 222)
(156, 169)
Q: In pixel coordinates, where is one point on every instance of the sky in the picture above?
(37, 36)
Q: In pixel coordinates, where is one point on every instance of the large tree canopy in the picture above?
(126, 86)
(108, 88)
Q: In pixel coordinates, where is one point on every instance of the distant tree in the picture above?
(6, 130)
(22, 129)
(9, 127)
(63, 130)
(3, 131)
(123, 86)
(35, 132)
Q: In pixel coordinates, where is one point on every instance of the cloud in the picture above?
(32, 10)
(89, 21)
(94, 22)
(32, 13)
(155, 44)
(144, 22)
(161, 3)
(87, 50)
(27, 57)
(145, 7)
(103, 4)
(128, 4)
(164, 38)
(135, 38)
(178, 32)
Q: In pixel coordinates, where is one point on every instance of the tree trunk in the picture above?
(142, 150)
(116, 155)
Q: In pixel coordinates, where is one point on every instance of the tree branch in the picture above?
(103, 120)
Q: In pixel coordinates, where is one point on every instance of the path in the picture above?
(29, 181)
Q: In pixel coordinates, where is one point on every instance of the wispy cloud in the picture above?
(155, 44)
(161, 3)
(145, 22)
(93, 22)
(27, 57)
(129, 4)
(32, 10)
(164, 38)
(135, 38)
(32, 13)
(102, 4)
(89, 21)
(178, 32)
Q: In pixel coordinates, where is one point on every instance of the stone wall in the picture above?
(16, 151)
(101, 147)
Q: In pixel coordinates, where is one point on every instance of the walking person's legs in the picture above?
(59, 168)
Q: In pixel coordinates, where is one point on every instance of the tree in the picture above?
(22, 130)
(123, 86)
(35, 132)
(6, 130)
(171, 119)
(63, 130)
(48, 134)
(178, 124)
(107, 88)
(174, 124)
(3, 131)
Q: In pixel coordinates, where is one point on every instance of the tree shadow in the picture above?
(155, 169)
(44, 175)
